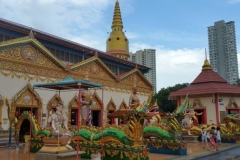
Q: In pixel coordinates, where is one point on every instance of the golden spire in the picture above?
(206, 64)
(117, 42)
(117, 19)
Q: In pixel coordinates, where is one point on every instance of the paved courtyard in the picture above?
(195, 151)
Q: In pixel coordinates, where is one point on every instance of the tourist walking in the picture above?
(218, 138)
(213, 133)
(204, 139)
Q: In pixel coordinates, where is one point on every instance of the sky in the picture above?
(177, 29)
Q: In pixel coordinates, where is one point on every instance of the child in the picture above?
(212, 138)
(204, 138)
(218, 138)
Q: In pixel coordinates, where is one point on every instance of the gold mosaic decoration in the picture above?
(42, 65)
(111, 106)
(232, 104)
(27, 97)
(123, 105)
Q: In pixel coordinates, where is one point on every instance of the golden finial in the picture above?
(96, 54)
(31, 35)
(206, 64)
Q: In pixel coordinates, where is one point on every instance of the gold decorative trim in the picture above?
(232, 104)
(98, 101)
(197, 104)
(53, 102)
(27, 97)
(123, 105)
(90, 61)
(47, 68)
(35, 42)
(111, 106)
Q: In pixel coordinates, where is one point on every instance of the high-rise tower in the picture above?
(147, 57)
(223, 50)
(117, 42)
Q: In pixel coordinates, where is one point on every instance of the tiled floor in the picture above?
(194, 150)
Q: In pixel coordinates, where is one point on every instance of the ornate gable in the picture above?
(123, 105)
(135, 78)
(74, 102)
(97, 102)
(27, 97)
(26, 56)
(111, 105)
(54, 101)
(95, 69)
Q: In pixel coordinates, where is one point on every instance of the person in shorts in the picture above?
(218, 138)
(204, 138)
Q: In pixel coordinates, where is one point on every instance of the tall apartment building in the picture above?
(223, 50)
(146, 57)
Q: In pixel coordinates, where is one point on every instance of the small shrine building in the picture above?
(211, 95)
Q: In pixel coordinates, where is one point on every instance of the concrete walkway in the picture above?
(195, 151)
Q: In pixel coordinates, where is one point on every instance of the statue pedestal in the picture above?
(54, 149)
(191, 139)
(53, 156)
(96, 156)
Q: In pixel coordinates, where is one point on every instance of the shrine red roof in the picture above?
(207, 82)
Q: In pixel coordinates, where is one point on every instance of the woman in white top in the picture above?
(218, 138)
(204, 138)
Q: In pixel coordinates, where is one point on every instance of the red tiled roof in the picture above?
(207, 82)
(208, 76)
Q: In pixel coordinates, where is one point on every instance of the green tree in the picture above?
(162, 97)
(237, 82)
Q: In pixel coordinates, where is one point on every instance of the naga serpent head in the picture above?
(145, 110)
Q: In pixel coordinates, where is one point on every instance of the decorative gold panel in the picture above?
(98, 102)
(123, 105)
(111, 106)
(27, 97)
(197, 104)
(27, 58)
(232, 104)
(53, 102)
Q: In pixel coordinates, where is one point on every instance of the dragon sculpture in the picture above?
(229, 131)
(119, 142)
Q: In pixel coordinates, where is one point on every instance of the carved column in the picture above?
(1, 104)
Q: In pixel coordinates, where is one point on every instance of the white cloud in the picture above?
(233, 1)
(83, 21)
(59, 17)
(175, 66)
(178, 66)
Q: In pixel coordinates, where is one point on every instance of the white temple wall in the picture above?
(9, 87)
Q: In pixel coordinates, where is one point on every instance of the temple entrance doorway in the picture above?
(96, 118)
(24, 130)
(201, 118)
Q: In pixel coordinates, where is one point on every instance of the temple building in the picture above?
(211, 95)
(29, 56)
